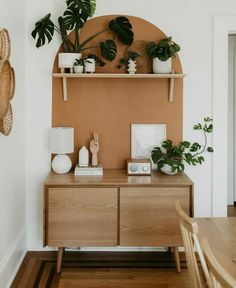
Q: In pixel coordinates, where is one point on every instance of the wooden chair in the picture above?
(189, 230)
(219, 278)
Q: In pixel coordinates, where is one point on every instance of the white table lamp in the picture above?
(61, 142)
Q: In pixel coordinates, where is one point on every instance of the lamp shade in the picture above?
(61, 140)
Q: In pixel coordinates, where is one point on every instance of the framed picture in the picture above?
(145, 137)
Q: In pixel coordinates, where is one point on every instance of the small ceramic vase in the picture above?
(132, 66)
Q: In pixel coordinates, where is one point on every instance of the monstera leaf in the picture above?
(76, 14)
(123, 29)
(92, 7)
(44, 30)
(108, 49)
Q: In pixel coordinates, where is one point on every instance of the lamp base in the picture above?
(61, 164)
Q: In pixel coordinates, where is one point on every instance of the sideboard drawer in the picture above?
(81, 217)
(148, 217)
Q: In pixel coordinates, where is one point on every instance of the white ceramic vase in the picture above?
(132, 66)
(78, 69)
(167, 169)
(162, 67)
(67, 60)
(90, 65)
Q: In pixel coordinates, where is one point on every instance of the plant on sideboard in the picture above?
(162, 54)
(74, 18)
(171, 159)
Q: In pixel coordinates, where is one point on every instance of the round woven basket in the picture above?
(13, 83)
(144, 63)
(6, 86)
(5, 45)
(6, 122)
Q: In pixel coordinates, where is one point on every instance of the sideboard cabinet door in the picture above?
(148, 217)
(81, 217)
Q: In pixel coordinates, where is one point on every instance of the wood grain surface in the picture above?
(102, 270)
(114, 178)
(82, 217)
(221, 236)
(148, 217)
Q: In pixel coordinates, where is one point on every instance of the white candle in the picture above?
(83, 157)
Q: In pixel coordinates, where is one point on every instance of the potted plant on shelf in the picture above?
(162, 54)
(171, 159)
(79, 66)
(74, 18)
(90, 63)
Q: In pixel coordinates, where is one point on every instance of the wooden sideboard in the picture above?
(114, 210)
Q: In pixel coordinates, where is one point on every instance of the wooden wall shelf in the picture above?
(171, 76)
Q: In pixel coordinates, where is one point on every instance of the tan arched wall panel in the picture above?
(109, 106)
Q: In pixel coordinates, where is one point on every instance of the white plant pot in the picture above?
(89, 65)
(78, 69)
(166, 169)
(162, 67)
(67, 60)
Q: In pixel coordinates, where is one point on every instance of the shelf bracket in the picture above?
(171, 88)
(64, 84)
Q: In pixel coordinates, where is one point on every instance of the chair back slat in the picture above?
(189, 231)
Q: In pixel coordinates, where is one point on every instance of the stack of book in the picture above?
(88, 171)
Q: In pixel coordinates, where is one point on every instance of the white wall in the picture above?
(12, 153)
(190, 23)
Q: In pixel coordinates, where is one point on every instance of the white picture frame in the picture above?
(145, 137)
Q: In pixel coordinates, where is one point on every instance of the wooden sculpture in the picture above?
(94, 147)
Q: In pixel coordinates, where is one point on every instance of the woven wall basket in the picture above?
(6, 86)
(5, 45)
(6, 122)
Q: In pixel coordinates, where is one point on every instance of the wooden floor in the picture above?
(102, 270)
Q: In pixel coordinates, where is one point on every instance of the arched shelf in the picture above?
(171, 78)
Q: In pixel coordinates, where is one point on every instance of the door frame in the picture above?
(222, 27)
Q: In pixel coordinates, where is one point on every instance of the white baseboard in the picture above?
(12, 259)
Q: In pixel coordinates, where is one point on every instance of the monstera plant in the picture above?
(74, 18)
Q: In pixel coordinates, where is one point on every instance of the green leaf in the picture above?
(151, 49)
(197, 126)
(43, 31)
(123, 29)
(108, 49)
(208, 119)
(200, 159)
(210, 149)
(76, 14)
(68, 46)
(133, 55)
(92, 7)
(167, 144)
(97, 59)
(83, 6)
(195, 147)
(186, 144)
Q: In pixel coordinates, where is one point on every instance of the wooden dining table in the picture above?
(221, 235)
